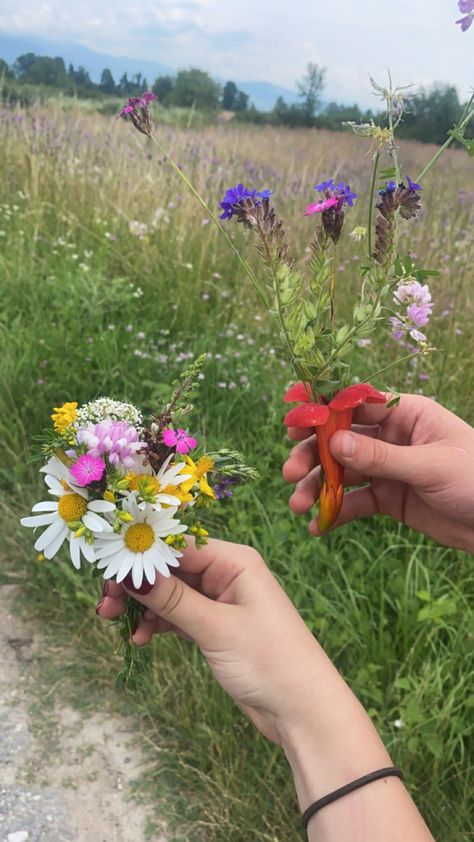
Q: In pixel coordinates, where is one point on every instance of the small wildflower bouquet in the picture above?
(124, 491)
(300, 295)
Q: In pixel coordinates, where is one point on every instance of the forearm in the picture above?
(335, 744)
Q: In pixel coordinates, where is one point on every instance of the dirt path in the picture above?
(75, 786)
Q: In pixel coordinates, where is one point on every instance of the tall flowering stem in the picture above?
(301, 297)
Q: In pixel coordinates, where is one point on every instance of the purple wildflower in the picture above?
(466, 6)
(411, 184)
(88, 469)
(223, 487)
(234, 196)
(179, 439)
(136, 109)
(115, 439)
(341, 192)
(466, 22)
(417, 297)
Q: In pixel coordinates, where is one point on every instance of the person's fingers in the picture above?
(415, 465)
(146, 629)
(302, 459)
(113, 602)
(179, 604)
(307, 491)
(356, 504)
(305, 455)
(299, 433)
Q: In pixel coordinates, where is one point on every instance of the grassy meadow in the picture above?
(111, 279)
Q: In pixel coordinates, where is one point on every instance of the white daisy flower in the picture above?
(139, 548)
(166, 476)
(72, 505)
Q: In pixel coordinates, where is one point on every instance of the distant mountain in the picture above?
(262, 94)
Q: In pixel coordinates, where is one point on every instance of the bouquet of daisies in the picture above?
(124, 490)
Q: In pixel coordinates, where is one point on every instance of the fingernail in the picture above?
(144, 588)
(99, 605)
(347, 445)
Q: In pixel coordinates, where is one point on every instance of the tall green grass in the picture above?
(94, 303)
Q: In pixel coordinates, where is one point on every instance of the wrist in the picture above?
(331, 742)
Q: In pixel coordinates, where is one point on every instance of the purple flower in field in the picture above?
(411, 184)
(331, 206)
(136, 109)
(467, 9)
(234, 196)
(417, 297)
(88, 469)
(179, 439)
(116, 439)
(336, 195)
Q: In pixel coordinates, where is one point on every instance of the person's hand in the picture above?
(415, 462)
(225, 599)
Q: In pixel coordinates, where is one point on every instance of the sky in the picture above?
(271, 41)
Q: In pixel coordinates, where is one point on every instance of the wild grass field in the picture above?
(112, 278)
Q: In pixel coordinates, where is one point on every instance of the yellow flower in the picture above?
(198, 471)
(199, 531)
(63, 416)
(178, 491)
(143, 482)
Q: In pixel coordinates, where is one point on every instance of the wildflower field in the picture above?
(112, 280)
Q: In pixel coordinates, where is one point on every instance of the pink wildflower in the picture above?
(88, 469)
(117, 439)
(179, 439)
(318, 207)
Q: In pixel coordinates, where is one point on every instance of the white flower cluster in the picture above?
(96, 411)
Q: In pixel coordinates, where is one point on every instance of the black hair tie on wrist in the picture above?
(390, 771)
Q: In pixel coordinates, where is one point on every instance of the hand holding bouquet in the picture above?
(125, 490)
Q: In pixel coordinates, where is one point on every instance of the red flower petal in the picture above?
(307, 415)
(354, 395)
(298, 392)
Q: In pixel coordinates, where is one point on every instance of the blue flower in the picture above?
(235, 195)
(325, 185)
(390, 187)
(412, 185)
(342, 192)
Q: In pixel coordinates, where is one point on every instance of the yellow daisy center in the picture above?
(72, 507)
(139, 537)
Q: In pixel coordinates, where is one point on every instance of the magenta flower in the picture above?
(318, 207)
(179, 439)
(88, 469)
(116, 439)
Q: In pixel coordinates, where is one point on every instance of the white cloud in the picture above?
(249, 40)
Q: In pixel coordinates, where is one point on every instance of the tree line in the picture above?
(429, 113)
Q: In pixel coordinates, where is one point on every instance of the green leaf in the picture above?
(468, 144)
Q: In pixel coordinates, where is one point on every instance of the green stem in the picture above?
(332, 289)
(371, 202)
(393, 148)
(214, 219)
(277, 289)
(390, 365)
(466, 117)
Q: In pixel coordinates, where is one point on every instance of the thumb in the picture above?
(413, 464)
(175, 601)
